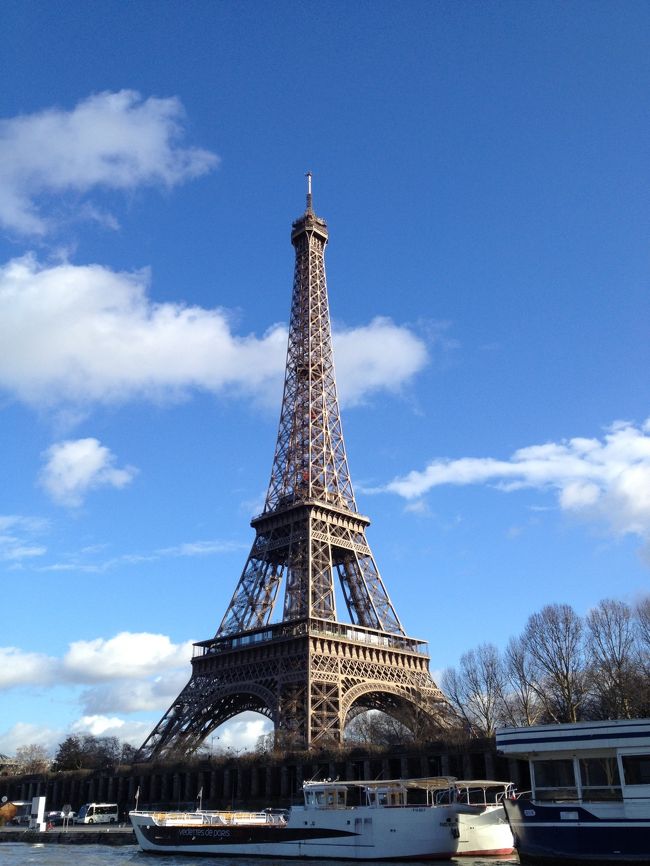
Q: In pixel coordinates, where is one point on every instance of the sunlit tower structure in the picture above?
(309, 672)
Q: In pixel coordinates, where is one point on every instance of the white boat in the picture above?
(482, 822)
(383, 820)
(590, 798)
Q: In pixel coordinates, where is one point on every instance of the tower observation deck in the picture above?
(309, 671)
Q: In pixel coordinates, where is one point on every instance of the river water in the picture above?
(20, 854)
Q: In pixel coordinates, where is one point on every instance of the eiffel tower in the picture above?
(311, 672)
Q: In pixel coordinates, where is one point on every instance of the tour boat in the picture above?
(382, 820)
(590, 798)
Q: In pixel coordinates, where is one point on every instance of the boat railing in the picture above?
(176, 818)
(509, 793)
(481, 794)
(214, 818)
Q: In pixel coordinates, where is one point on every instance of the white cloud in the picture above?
(77, 466)
(108, 141)
(375, 357)
(18, 538)
(99, 726)
(126, 655)
(200, 548)
(135, 673)
(606, 479)
(19, 668)
(129, 673)
(240, 733)
(132, 696)
(83, 560)
(126, 730)
(74, 334)
(25, 734)
(419, 506)
(17, 521)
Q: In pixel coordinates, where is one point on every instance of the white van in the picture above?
(97, 813)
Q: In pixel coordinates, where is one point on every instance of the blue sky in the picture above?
(483, 171)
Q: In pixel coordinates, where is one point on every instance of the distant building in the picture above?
(7, 765)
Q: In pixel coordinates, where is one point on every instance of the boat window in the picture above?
(600, 779)
(386, 796)
(554, 780)
(336, 799)
(326, 798)
(636, 769)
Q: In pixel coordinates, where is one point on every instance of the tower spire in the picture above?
(310, 208)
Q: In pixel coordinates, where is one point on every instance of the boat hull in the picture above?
(568, 834)
(410, 834)
(484, 832)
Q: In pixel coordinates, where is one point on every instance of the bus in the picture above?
(97, 813)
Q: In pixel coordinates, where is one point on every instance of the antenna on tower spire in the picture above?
(309, 203)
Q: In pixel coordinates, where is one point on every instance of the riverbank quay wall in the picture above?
(113, 837)
(255, 780)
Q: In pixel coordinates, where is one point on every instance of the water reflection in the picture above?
(20, 854)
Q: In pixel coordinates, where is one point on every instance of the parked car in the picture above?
(58, 819)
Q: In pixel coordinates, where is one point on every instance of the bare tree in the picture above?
(560, 669)
(643, 627)
(375, 728)
(127, 753)
(32, 759)
(265, 743)
(554, 637)
(642, 621)
(521, 702)
(476, 691)
(612, 671)
(420, 725)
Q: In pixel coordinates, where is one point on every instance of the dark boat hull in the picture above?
(570, 835)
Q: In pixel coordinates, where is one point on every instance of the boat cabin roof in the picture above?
(481, 783)
(427, 784)
(377, 793)
(610, 736)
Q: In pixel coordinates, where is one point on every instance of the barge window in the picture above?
(555, 780)
(636, 769)
(600, 779)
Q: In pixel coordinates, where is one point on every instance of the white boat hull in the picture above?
(360, 833)
(484, 833)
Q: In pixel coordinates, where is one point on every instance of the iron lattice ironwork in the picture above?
(310, 672)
